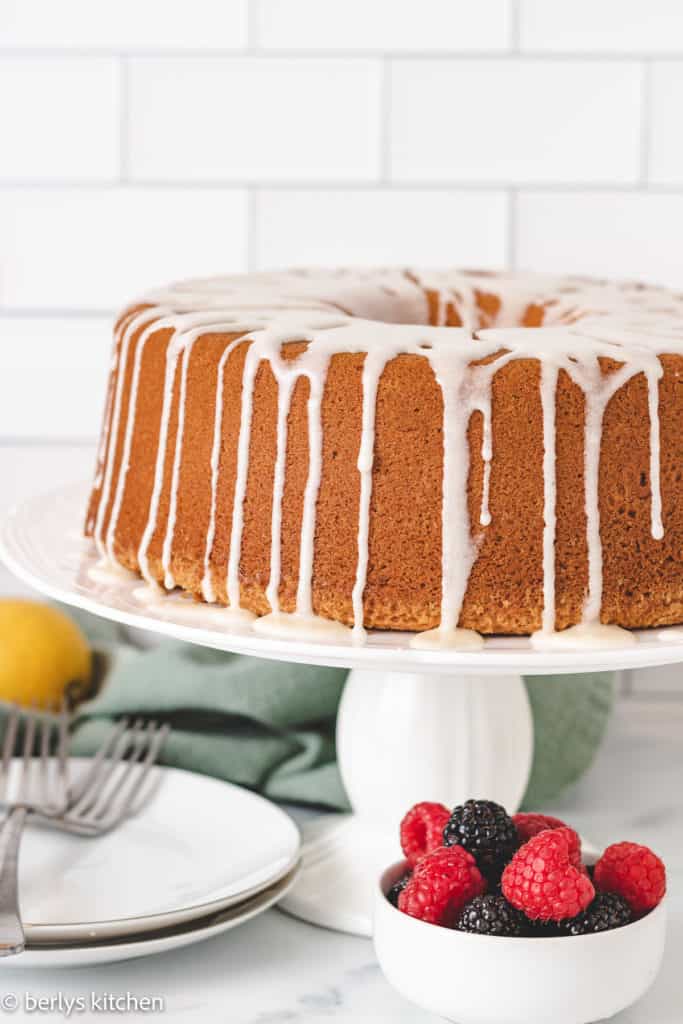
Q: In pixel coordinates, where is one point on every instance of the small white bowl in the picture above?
(483, 979)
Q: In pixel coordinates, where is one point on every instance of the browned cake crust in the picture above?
(642, 576)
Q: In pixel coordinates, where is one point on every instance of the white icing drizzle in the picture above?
(373, 366)
(121, 325)
(284, 397)
(248, 379)
(112, 437)
(487, 456)
(193, 613)
(304, 594)
(371, 312)
(169, 581)
(208, 592)
(577, 350)
(585, 634)
(447, 639)
(108, 573)
(188, 328)
(148, 593)
(169, 375)
(303, 627)
(458, 551)
(127, 444)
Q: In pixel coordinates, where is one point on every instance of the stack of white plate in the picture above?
(202, 857)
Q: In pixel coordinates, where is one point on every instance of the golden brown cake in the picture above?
(401, 450)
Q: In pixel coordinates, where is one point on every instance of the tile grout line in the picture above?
(259, 52)
(515, 26)
(253, 19)
(558, 187)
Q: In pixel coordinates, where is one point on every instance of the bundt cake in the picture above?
(396, 449)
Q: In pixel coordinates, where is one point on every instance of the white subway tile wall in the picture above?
(146, 141)
(143, 141)
(253, 119)
(518, 121)
(665, 142)
(604, 27)
(60, 119)
(59, 369)
(624, 234)
(383, 26)
(124, 25)
(371, 226)
(95, 248)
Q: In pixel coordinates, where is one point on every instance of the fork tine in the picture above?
(8, 744)
(121, 799)
(157, 738)
(62, 753)
(44, 755)
(26, 764)
(107, 793)
(107, 769)
(85, 783)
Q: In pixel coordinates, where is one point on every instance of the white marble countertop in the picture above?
(276, 970)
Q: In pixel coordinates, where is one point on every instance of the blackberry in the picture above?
(608, 910)
(544, 929)
(398, 887)
(487, 831)
(491, 915)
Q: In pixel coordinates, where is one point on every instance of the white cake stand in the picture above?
(412, 725)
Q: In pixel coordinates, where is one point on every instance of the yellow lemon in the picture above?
(41, 651)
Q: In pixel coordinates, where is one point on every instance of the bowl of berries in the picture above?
(498, 919)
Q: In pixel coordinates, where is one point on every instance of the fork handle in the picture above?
(12, 939)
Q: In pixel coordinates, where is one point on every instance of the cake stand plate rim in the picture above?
(40, 543)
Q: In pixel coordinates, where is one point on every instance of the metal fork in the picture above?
(11, 931)
(113, 787)
(107, 792)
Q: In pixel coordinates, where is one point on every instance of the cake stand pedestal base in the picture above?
(402, 738)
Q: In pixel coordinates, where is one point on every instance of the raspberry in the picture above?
(608, 910)
(422, 830)
(442, 883)
(542, 878)
(574, 841)
(398, 887)
(485, 829)
(491, 915)
(529, 825)
(633, 871)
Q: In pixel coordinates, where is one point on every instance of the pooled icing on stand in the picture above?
(584, 321)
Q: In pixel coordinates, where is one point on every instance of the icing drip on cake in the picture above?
(584, 324)
(108, 573)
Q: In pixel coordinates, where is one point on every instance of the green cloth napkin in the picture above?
(270, 725)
